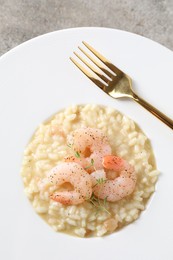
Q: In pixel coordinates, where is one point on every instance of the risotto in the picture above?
(49, 146)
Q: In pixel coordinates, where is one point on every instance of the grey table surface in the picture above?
(21, 20)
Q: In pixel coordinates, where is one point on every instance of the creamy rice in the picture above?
(48, 147)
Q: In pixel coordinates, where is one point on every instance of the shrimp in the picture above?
(74, 174)
(80, 161)
(119, 187)
(91, 144)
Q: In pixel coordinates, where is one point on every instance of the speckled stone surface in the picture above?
(21, 20)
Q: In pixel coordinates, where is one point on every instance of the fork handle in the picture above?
(168, 121)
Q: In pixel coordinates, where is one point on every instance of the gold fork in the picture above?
(113, 81)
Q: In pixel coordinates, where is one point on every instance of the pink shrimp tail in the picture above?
(112, 162)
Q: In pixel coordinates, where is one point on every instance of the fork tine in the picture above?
(96, 71)
(88, 74)
(97, 63)
(103, 59)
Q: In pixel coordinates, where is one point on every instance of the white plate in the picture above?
(36, 80)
